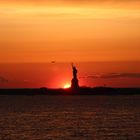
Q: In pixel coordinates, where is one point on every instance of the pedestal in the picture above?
(74, 83)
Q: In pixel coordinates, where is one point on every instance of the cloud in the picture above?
(116, 75)
(79, 1)
(51, 15)
(3, 80)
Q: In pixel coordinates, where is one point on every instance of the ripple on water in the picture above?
(71, 117)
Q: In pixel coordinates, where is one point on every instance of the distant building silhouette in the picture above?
(74, 81)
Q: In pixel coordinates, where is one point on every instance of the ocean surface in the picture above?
(70, 117)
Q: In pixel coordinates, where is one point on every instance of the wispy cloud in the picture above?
(3, 80)
(79, 1)
(116, 75)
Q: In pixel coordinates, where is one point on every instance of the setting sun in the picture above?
(67, 86)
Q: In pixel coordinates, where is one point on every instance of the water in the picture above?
(70, 117)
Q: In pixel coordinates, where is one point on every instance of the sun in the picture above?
(67, 86)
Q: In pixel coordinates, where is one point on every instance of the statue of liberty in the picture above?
(74, 71)
(74, 81)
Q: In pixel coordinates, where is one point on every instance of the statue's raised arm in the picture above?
(72, 65)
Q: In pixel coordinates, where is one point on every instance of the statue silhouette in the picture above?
(74, 71)
(74, 81)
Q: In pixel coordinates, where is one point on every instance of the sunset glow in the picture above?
(44, 32)
(39, 32)
(67, 86)
(70, 69)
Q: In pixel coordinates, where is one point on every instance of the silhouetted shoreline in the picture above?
(79, 91)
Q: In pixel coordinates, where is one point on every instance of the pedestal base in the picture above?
(74, 83)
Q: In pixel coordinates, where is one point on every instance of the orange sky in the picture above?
(35, 31)
(42, 31)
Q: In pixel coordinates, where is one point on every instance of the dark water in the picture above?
(70, 117)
